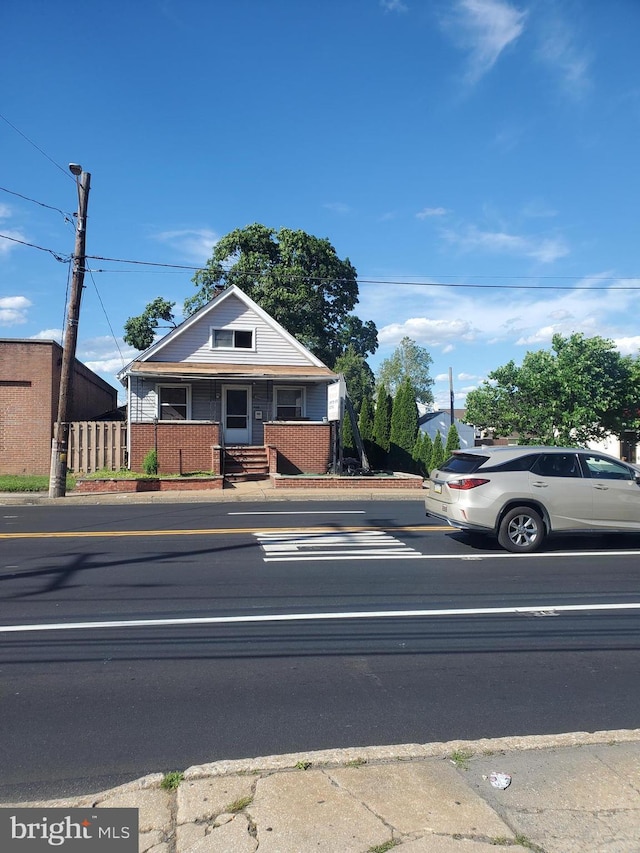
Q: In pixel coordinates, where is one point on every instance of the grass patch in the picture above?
(238, 805)
(523, 841)
(461, 758)
(303, 765)
(125, 474)
(382, 848)
(30, 482)
(108, 474)
(172, 780)
(356, 762)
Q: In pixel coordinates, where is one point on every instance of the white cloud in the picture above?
(394, 5)
(431, 211)
(503, 318)
(543, 249)
(5, 211)
(428, 332)
(7, 245)
(48, 335)
(558, 50)
(629, 345)
(193, 244)
(338, 207)
(13, 310)
(484, 28)
(537, 209)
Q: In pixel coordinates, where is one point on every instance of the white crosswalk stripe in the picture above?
(322, 545)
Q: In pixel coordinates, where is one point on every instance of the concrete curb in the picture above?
(328, 758)
(214, 496)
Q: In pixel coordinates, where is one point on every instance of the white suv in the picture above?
(521, 494)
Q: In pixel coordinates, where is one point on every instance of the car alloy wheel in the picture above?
(521, 530)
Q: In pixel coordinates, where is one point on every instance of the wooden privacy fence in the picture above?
(97, 445)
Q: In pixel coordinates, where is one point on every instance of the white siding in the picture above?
(206, 401)
(193, 344)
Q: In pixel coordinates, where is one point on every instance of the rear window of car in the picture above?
(463, 463)
(518, 463)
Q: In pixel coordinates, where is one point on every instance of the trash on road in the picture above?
(500, 780)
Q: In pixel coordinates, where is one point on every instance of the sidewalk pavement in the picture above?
(572, 793)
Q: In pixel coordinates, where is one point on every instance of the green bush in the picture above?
(150, 463)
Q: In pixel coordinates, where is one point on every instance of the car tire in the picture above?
(521, 530)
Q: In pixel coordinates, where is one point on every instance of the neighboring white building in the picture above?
(625, 450)
(434, 422)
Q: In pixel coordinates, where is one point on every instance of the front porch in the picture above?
(189, 447)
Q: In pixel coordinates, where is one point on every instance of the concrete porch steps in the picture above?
(245, 462)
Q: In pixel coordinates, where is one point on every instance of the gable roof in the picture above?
(142, 362)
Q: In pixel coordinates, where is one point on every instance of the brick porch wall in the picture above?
(183, 448)
(303, 448)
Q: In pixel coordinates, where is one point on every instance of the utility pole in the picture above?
(451, 397)
(60, 441)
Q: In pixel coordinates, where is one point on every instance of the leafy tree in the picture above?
(427, 451)
(365, 420)
(348, 441)
(437, 453)
(298, 279)
(416, 454)
(139, 332)
(453, 441)
(404, 427)
(357, 375)
(408, 361)
(577, 392)
(382, 425)
(365, 425)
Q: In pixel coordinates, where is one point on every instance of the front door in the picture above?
(236, 414)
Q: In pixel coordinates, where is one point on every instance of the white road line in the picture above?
(317, 534)
(318, 617)
(307, 546)
(346, 555)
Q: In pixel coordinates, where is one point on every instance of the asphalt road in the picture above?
(146, 638)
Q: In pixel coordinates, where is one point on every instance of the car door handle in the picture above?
(601, 487)
(540, 484)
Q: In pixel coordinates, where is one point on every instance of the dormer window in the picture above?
(233, 339)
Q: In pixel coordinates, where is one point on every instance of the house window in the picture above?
(173, 402)
(233, 339)
(289, 403)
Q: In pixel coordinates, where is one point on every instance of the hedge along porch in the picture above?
(229, 376)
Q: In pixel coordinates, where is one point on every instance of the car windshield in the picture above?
(463, 463)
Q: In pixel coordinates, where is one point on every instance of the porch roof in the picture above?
(201, 370)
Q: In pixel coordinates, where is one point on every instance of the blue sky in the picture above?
(476, 160)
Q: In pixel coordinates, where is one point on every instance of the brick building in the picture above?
(29, 388)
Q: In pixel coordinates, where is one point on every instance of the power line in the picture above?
(393, 282)
(143, 263)
(62, 258)
(68, 216)
(31, 142)
(104, 311)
